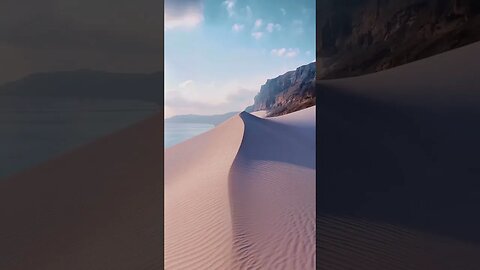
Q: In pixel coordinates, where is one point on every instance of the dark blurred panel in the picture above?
(397, 140)
(74, 71)
(81, 134)
(54, 35)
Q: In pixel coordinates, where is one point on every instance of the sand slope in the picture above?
(273, 192)
(225, 187)
(398, 166)
(197, 211)
(98, 207)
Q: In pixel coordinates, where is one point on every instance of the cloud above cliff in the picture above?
(273, 27)
(183, 14)
(230, 7)
(258, 24)
(285, 52)
(186, 101)
(257, 35)
(238, 27)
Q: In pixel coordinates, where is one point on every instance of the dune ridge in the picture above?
(242, 196)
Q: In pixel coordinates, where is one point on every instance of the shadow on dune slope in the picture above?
(402, 165)
(274, 141)
(272, 192)
(402, 147)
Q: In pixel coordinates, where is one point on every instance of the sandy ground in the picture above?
(246, 200)
(398, 166)
(98, 207)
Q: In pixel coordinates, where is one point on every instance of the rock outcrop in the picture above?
(287, 93)
(356, 37)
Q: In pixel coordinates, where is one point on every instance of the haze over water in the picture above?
(33, 130)
(176, 133)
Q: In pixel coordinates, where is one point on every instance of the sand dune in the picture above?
(398, 166)
(197, 210)
(98, 207)
(272, 185)
(224, 188)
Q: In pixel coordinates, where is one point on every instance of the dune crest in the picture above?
(243, 195)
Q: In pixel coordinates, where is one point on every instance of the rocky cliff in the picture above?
(356, 37)
(287, 93)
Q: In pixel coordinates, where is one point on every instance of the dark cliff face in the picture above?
(288, 92)
(356, 37)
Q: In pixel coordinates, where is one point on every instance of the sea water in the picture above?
(176, 133)
(34, 130)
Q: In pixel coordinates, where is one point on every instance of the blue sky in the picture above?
(218, 53)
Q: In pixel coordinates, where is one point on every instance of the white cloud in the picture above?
(278, 52)
(185, 84)
(285, 52)
(230, 5)
(284, 12)
(273, 27)
(269, 27)
(257, 35)
(237, 27)
(292, 53)
(187, 20)
(204, 98)
(258, 23)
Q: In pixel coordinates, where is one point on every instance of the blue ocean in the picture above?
(176, 133)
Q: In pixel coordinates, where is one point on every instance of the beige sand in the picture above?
(242, 196)
(197, 210)
(97, 207)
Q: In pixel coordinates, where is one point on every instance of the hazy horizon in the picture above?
(219, 53)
